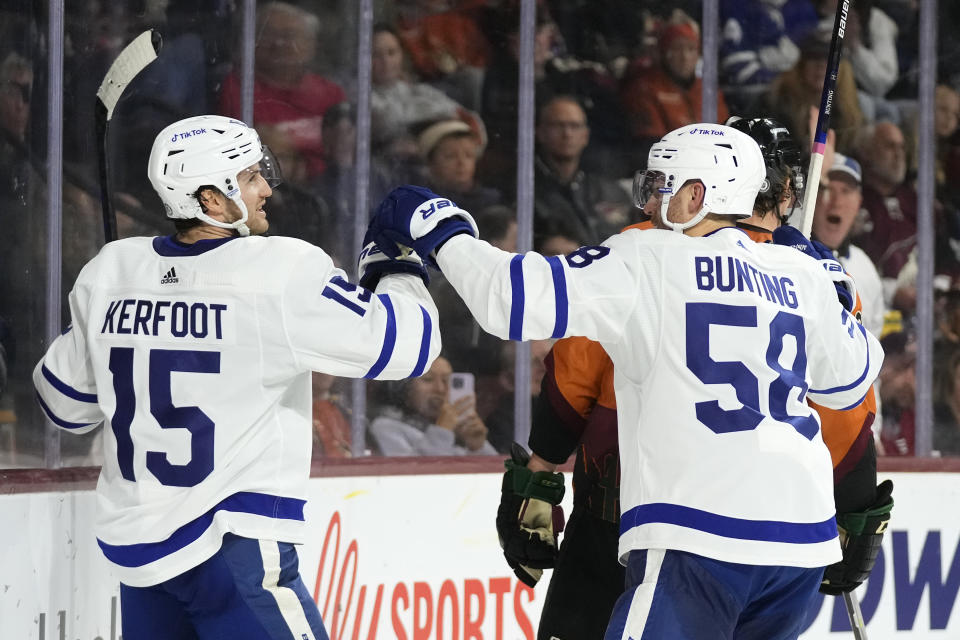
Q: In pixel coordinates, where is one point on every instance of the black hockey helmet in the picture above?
(783, 159)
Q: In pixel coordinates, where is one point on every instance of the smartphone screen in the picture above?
(461, 384)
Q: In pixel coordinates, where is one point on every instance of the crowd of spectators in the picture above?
(611, 77)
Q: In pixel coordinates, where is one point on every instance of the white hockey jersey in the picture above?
(197, 359)
(716, 342)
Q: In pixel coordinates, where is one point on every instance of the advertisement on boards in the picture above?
(416, 558)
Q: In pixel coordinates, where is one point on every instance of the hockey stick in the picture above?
(810, 203)
(131, 61)
(855, 615)
(823, 119)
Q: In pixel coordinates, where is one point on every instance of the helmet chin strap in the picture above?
(239, 225)
(680, 227)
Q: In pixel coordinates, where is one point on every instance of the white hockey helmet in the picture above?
(207, 151)
(726, 161)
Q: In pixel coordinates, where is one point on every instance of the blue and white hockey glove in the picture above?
(846, 289)
(374, 264)
(416, 217)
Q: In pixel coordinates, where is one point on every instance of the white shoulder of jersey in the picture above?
(589, 292)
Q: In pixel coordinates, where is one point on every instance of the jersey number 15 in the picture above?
(162, 363)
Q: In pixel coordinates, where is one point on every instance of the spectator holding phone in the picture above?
(421, 418)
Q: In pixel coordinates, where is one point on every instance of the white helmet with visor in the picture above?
(727, 162)
(205, 151)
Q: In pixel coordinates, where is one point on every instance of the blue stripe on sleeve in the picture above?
(60, 422)
(66, 389)
(517, 299)
(389, 338)
(866, 368)
(424, 344)
(740, 529)
(560, 294)
(260, 504)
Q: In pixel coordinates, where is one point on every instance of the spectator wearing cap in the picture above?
(669, 96)
(587, 205)
(401, 105)
(450, 150)
(794, 93)
(837, 211)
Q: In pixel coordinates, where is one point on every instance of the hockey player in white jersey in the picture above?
(726, 488)
(195, 351)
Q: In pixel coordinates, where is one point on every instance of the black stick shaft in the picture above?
(823, 118)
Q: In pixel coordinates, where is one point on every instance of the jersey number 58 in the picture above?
(700, 315)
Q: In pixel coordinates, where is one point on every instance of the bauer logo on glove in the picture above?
(416, 217)
(434, 206)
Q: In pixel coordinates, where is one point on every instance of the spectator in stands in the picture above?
(591, 206)
(23, 248)
(331, 429)
(946, 402)
(286, 92)
(948, 45)
(835, 214)
(759, 42)
(945, 122)
(15, 93)
(466, 345)
(398, 101)
(897, 383)
(555, 73)
(607, 31)
(498, 226)
(557, 242)
(295, 211)
(795, 92)
(668, 96)
(420, 420)
(890, 201)
(401, 107)
(447, 46)
(501, 421)
(337, 184)
(450, 149)
(870, 44)
(22, 205)
(4, 355)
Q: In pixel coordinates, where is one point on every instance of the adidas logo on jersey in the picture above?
(170, 277)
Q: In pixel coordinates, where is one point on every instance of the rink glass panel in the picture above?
(204, 43)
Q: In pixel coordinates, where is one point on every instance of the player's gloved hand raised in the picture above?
(846, 289)
(374, 264)
(418, 218)
(860, 537)
(529, 519)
